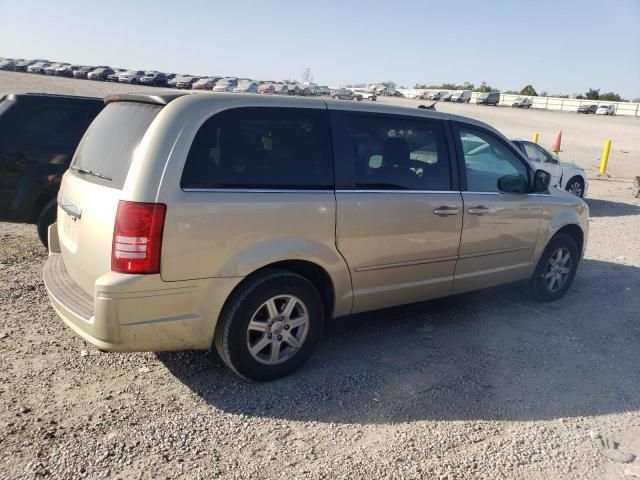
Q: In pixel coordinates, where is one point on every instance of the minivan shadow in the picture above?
(607, 208)
(489, 355)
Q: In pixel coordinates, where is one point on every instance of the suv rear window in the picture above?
(107, 147)
(269, 148)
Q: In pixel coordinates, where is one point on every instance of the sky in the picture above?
(557, 46)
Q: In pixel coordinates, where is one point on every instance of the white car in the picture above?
(606, 110)
(38, 67)
(564, 175)
(461, 96)
(365, 94)
(226, 85)
(131, 76)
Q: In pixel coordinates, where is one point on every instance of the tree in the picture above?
(611, 97)
(529, 91)
(307, 76)
(484, 88)
(389, 84)
(592, 94)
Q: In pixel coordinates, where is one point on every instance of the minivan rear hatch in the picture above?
(92, 187)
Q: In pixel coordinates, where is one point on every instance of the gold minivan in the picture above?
(247, 221)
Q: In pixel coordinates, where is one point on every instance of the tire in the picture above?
(544, 289)
(359, 98)
(575, 186)
(46, 218)
(249, 304)
(335, 97)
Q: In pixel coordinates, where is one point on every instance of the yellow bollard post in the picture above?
(535, 137)
(605, 156)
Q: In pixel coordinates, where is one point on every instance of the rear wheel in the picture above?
(575, 186)
(556, 269)
(270, 326)
(46, 218)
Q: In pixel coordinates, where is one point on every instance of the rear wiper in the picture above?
(90, 172)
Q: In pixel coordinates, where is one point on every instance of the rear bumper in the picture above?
(137, 312)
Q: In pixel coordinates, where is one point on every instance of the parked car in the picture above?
(102, 73)
(172, 82)
(365, 94)
(245, 86)
(344, 94)
(488, 98)
(38, 67)
(200, 256)
(53, 68)
(588, 108)
(38, 135)
(7, 64)
(606, 110)
(564, 175)
(206, 83)
(66, 70)
(390, 92)
(280, 89)
(267, 88)
(22, 65)
(131, 76)
(186, 83)
(82, 72)
(155, 79)
(446, 97)
(461, 96)
(115, 76)
(437, 95)
(522, 102)
(226, 85)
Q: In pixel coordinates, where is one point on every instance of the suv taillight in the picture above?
(137, 237)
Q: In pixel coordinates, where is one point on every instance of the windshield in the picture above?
(108, 146)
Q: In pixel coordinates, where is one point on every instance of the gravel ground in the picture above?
(483, 385)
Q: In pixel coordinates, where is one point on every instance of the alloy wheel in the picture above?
(277, 329)
(558, 269)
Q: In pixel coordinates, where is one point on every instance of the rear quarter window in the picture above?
(108, 145)
(261, 148)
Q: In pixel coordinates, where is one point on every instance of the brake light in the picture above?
(137, 237)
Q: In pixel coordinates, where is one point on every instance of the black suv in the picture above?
(39, 134)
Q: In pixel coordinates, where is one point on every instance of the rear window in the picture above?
(107, 148)
(262, 148)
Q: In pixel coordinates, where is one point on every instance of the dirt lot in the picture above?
(484, 385)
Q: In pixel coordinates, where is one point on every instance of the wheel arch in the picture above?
(574, 231)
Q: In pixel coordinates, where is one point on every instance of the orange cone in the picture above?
(555, 148)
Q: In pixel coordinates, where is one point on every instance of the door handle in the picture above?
(479, 210)
(445, 211)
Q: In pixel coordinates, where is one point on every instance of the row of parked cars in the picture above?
(161, 79)
(493, 98)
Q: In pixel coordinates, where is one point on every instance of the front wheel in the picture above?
(270, 326)
(556, 269)
(575, 186)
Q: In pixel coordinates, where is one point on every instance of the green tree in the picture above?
(389, 84)
(611, 97)
(529, 91)
(592, 94)
(485, 88)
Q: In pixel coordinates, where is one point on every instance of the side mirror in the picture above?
(513, 184)
(541, 181)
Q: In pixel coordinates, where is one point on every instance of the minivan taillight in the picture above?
(137, 237)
